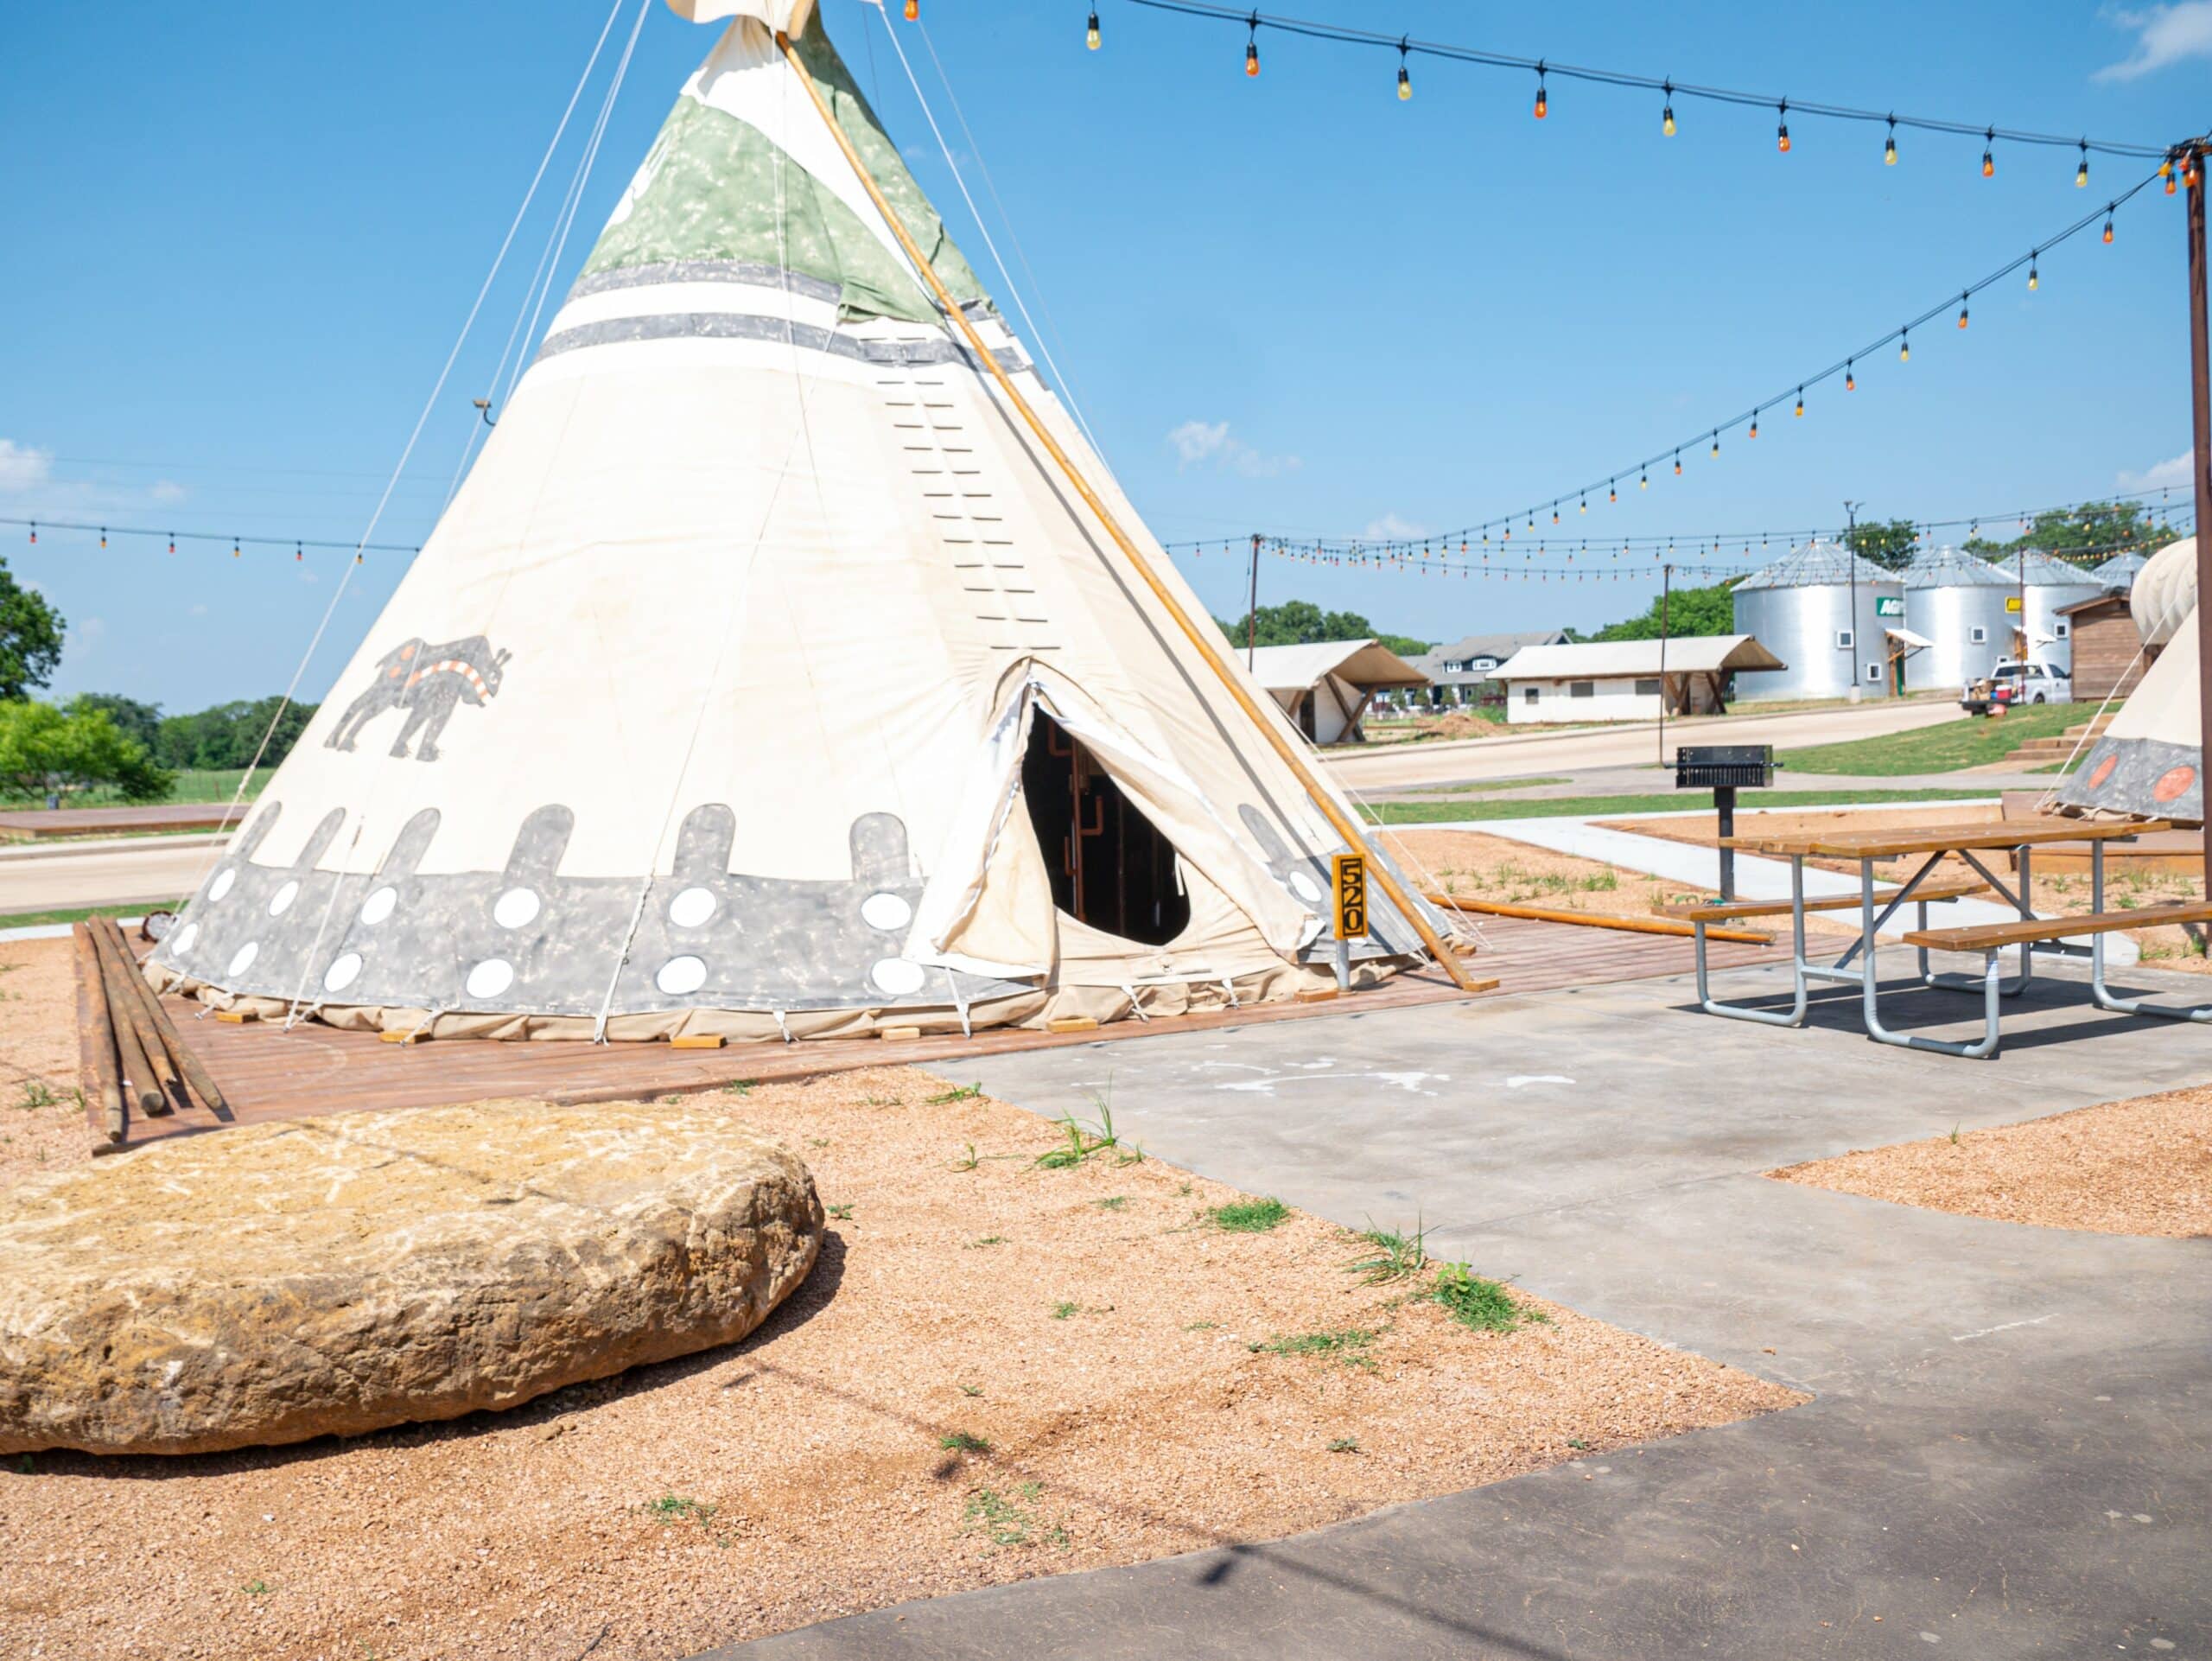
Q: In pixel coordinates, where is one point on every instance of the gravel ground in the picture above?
(42, 1119)
(1100, 1340)
(2140, 1167)
(1490, 867)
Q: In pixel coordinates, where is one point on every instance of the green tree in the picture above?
(140, 721)
(228, 735)
(1886, 543)
(54, 753)
(1300, 622)
(30, 637)
(2098, 528)
(1689, 611)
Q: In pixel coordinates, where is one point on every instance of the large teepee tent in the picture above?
(772, 672)
(2150, 762)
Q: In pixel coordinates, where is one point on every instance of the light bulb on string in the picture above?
(1962, 311)
(2193, 170)
(2108, 212)
(1667, 114)
(1643, 480)
(1850, 381)
(2166, 172)
(1405, 79)
(299, 554)
(1905, 346)
(1252, 48)
(1543, 103)
(1611, 494)
(1678, 464)
(1989, 155)
(1755, 426)
(172, 542)
(1716, 446)
(2034, 279)
(1090, 34)
(103, 538)
(234, 541)
(1890, 148)
(33, 533)
(1781, 127)
(913, 10)
(2081, 173)
(1800, 411)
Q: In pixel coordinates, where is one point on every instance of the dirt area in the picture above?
(1703, 831)
(999, 1368)
(1490, 867)
(2138, 1166)
(41, 1117)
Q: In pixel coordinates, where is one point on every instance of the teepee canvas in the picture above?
(767, 675)
(2149, 763)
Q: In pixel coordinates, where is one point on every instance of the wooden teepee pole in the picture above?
(1345, 826)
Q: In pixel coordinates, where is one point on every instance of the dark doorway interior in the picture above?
(1110, 868)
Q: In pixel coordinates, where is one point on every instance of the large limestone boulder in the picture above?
(271, 1282)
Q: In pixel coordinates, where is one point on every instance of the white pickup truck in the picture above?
(2012, 683)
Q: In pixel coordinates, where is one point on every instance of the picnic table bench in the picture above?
(1934, 843)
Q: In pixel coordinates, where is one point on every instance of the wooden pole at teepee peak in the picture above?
(2200, 467)
(1344, 825)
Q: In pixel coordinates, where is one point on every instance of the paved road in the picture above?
(126, 871)
(2008, 1454)
(1529, 755)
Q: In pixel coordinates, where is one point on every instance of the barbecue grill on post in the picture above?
(1724, 769)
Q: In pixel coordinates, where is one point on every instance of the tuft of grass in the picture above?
(880, 1101)
(256, 1589)
(738, 1087)
(1954, 1136)
(1080, 1141)
(957, 1093)
(1577, 1441)
(1395, 1256)
(1008, 1522)
(37, 1093)
(1484, 1305)
(1201, 1326)
(1063, 1309)
(675, 1508)
(1345, 1344)
(961, 1443)
(969, 1162)
(844, 1213)
(1248, 1216)
(1112, 1202)
(1344, 1444)
(971, 1390)
(988, 1240)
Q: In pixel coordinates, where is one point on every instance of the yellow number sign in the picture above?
(1349, 874)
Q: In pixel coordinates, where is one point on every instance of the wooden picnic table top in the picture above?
(1940, 838)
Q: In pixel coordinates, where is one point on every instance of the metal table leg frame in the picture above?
(1795, 1015)
(1870, 990)
(1951, 983)
(2103, 997)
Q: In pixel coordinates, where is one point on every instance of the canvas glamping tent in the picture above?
(2150, 762)
(787, 664)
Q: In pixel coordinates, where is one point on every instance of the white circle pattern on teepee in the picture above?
(344, 971)
(185, 937)
(515, 908)
(281, 901)
(888, 911)
(691, 908)
(221, 885)
(242, 959)
(490, 978)
(1305, 887)
(378, 905)
(681, 977)
(895, 977)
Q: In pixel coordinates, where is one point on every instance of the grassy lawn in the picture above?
(1554, 807)
(192, 787)
(1482, 785)
(1969, 741)
(33, 919)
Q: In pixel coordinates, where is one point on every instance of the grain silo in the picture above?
(2117, 574)
(1821, 609)
(1956, 603)
(2052, 585)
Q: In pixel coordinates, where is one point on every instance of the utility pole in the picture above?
(1252, 611)
(2200, 382)
(1851, 566)
(1666, 592)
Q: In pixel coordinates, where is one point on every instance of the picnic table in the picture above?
(1932, 844)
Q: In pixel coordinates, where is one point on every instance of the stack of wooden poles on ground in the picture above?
(132, 1056)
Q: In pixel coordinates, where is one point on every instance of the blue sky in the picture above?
(240, 252)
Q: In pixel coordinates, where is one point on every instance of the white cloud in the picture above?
(84, 637)
(2164, 35)
(1201, 440)
(2173, 472)
(167, 490)
(1391, 528)
(24, 467)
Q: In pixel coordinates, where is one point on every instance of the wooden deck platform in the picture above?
(270, 1073)
(33, 824)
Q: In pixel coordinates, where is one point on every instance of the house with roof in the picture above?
(1627, 680)
(1459, 672)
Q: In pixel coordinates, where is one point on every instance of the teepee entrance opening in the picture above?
(1109, 867)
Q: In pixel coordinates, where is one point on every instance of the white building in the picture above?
(1326, 687)
(1625, 680)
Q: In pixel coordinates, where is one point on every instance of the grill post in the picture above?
(1723, 801)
